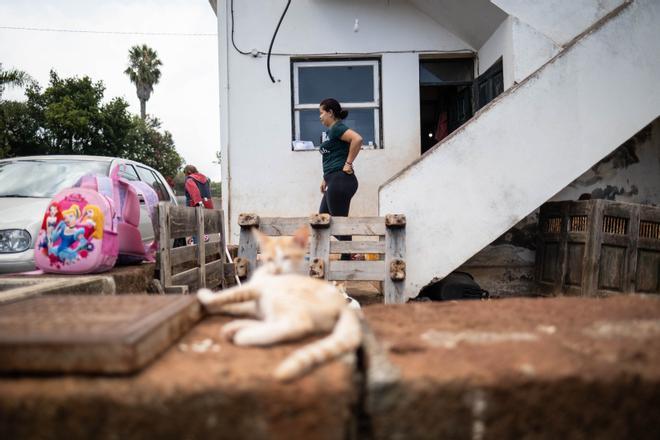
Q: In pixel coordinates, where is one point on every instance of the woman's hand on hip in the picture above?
(323, 186)
(348, 168)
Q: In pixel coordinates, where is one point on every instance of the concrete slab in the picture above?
(516, 368)
(91, 334)
(120, 280)
(200, 388)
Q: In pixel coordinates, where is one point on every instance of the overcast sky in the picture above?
(185, 99)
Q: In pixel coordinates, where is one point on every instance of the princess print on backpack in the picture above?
(71, 230)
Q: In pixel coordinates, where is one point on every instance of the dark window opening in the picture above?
(445, 98)
(449, 95)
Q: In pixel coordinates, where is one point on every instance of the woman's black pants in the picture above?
(340, 188)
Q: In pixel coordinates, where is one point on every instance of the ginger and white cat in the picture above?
(288, 306)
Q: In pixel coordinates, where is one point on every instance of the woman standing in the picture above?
(339, 151)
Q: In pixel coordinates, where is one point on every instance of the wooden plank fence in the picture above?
(188, 268)
(386, 237)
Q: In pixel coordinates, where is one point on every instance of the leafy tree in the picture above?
(69, 117)
(18, 130)
(179, 182)
(216, 189)
(143, 71)
(148, 145)
(12, 77)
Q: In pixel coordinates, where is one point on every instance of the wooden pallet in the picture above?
(187, 268)
(598, 247)
(385, 237)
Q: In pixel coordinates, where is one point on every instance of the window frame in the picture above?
(128, 166)
(163, 189)
(376, 104)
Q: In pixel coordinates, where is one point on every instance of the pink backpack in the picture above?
(71, 240)
(79, 231)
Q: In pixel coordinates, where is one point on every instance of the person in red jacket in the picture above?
(198, 188)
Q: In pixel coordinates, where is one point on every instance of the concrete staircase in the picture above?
(535, 138)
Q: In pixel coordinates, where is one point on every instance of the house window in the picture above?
(355, 84)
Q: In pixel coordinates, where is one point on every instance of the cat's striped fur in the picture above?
(288, 306)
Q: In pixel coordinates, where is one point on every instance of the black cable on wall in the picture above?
(270, 48)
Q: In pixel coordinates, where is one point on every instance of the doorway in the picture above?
(445, 90)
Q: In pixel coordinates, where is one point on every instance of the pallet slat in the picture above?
(189, 253)
(213, 221)
(357, 226)
(356, 270)
(373, 247)
(276, 226)
(188, 277)
(183, 221)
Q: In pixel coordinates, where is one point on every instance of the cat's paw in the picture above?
(205, 296)
(229, 330)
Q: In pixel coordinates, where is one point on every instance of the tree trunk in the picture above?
(143, 108)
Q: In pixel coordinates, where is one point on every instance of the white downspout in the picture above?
(223, 10)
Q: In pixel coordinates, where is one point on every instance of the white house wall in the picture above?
(262, 174)
(630, 174)
(499, 45)
(559, 20)
(530, 49)
(522, 48)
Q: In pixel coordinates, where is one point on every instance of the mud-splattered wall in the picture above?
(629, 174)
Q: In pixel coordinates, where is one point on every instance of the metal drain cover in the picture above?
(91, 334)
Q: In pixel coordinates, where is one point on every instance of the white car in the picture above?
(28, 183)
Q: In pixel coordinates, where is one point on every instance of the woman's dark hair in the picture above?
(190, 169)
(331, 104)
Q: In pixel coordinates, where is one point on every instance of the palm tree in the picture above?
(12, 77)
(143, 71)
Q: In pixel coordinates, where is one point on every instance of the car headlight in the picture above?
(14, 240)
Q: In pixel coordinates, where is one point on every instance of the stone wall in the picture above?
(515, 368)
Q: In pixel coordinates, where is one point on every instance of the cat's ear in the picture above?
(301, 236)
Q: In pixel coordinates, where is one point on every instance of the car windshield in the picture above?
(44, 177)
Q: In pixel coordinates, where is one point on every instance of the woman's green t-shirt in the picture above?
(334, 150)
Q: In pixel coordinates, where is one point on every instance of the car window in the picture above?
(127, 171)
(44, 177)
(152, 179)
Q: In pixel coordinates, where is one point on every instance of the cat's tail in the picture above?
(214, 302)
(345, 337)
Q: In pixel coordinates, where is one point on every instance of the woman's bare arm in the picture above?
(355, 141)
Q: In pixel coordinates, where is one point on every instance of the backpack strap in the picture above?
(104, 185)
(151, 202)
